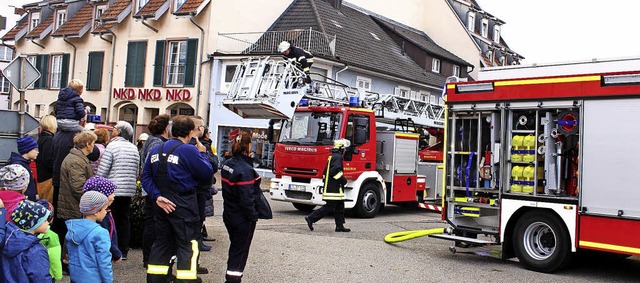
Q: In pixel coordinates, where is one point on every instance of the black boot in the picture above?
(205, 235)
(342, 229)
(309, 223)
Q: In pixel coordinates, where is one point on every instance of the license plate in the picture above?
(297, 187)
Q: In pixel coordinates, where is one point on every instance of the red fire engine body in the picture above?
(545, 165)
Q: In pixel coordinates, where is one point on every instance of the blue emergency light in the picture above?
(354, 101)
(304, 102)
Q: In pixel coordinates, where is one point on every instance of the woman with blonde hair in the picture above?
(44, 161)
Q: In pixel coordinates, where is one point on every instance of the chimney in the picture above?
(336, 4)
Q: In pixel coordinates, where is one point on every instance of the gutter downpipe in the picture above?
(191, 18)
(113, 59)
(73, 67)
(338, 72)
(147, 25)
(38, 44)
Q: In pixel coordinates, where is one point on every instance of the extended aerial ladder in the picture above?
(268, 88)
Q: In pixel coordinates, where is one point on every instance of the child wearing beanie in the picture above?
(87, 243)
(107, 188)
(51, 241)
(24, 259)
(14, 180)
(27, 152)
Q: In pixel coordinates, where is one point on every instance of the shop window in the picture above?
(94, 72)
(180, 64)
(136, 56)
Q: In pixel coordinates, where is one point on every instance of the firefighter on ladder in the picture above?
(170, 176)
(333, 193)
(301, 57)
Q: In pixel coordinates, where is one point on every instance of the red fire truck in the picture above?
(542, 160)
(382, 165)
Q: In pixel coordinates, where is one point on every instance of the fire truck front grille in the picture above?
(301, 171)
(298, 195)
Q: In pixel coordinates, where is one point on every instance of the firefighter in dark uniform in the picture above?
(171, 175)
(302, 58)
(240, 192)
(333, 193)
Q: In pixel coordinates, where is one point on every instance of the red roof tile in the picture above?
(114, 10)
(191, 6)
(22, 24)
(76, 23)
(40, 28)
(150, 9)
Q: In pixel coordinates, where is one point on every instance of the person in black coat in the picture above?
(302, 58)
(333, 193)
(241, 194)
(44, 161)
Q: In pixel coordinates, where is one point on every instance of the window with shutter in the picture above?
(158, 66)
(176, 63)
(136, 56)
(192, 56)
(94, 72)
(56, 71)
(42, 65)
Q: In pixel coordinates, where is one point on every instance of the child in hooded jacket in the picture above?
(24, 259)
(70, 108)
(88, 243)
(51, 241)
(107, 188)
(14, 180)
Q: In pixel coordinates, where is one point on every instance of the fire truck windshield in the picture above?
(311, 128)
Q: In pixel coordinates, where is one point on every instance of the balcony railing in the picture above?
(315, 42)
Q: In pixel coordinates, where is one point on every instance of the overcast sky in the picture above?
(568, 30)
(547, 30)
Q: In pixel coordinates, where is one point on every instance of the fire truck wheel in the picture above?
(304, 207)
(369, 202)
(541, 243)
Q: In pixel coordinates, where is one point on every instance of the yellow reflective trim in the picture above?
(411, 136)
(547, 81)
(310, 60)
(326, 174)
(451, 86)
(337, 176)
(301, 57)
(186, 274)
(361, 110)
(609, 247)
(157, 269)
(194, 257)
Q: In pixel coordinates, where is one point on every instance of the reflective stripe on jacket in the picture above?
(334, 179)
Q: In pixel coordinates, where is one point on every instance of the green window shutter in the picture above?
(192, 57)
(141, 59)
(42, 64)
(158, 67)
(130, 68)
(64, 75)
(94, 73)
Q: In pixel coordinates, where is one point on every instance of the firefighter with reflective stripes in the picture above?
(333, 193)
(170, 176)
(302, 58)
(240, 193)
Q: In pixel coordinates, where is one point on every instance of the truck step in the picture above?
(455, 238)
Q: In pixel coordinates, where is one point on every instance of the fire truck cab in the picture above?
(544, 165)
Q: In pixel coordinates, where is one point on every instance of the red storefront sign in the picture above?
(151, 94)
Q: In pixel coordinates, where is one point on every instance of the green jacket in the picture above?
(51, 241)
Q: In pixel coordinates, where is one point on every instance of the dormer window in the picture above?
(503, 60)
(100, 10)
(456, 71)
(435, 65)
(35, 20)
(496, 33)
(484, 31)
(141, 4)
(61, 17)
(490, 55)
(471, 21)
(177, 4)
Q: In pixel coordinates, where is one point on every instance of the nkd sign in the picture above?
(151, 94)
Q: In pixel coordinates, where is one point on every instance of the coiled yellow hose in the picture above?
(408, 235)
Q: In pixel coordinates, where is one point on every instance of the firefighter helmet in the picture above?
(283, 46)
(341, 143)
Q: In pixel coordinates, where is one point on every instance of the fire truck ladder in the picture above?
(272, 89)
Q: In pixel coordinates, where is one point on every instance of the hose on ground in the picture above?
(408, 235)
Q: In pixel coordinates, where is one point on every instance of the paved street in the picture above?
(284, 250)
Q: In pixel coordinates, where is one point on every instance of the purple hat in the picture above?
(92, 202)
(29, 215)
(99, 184)
(26, 144)
(14, 177)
